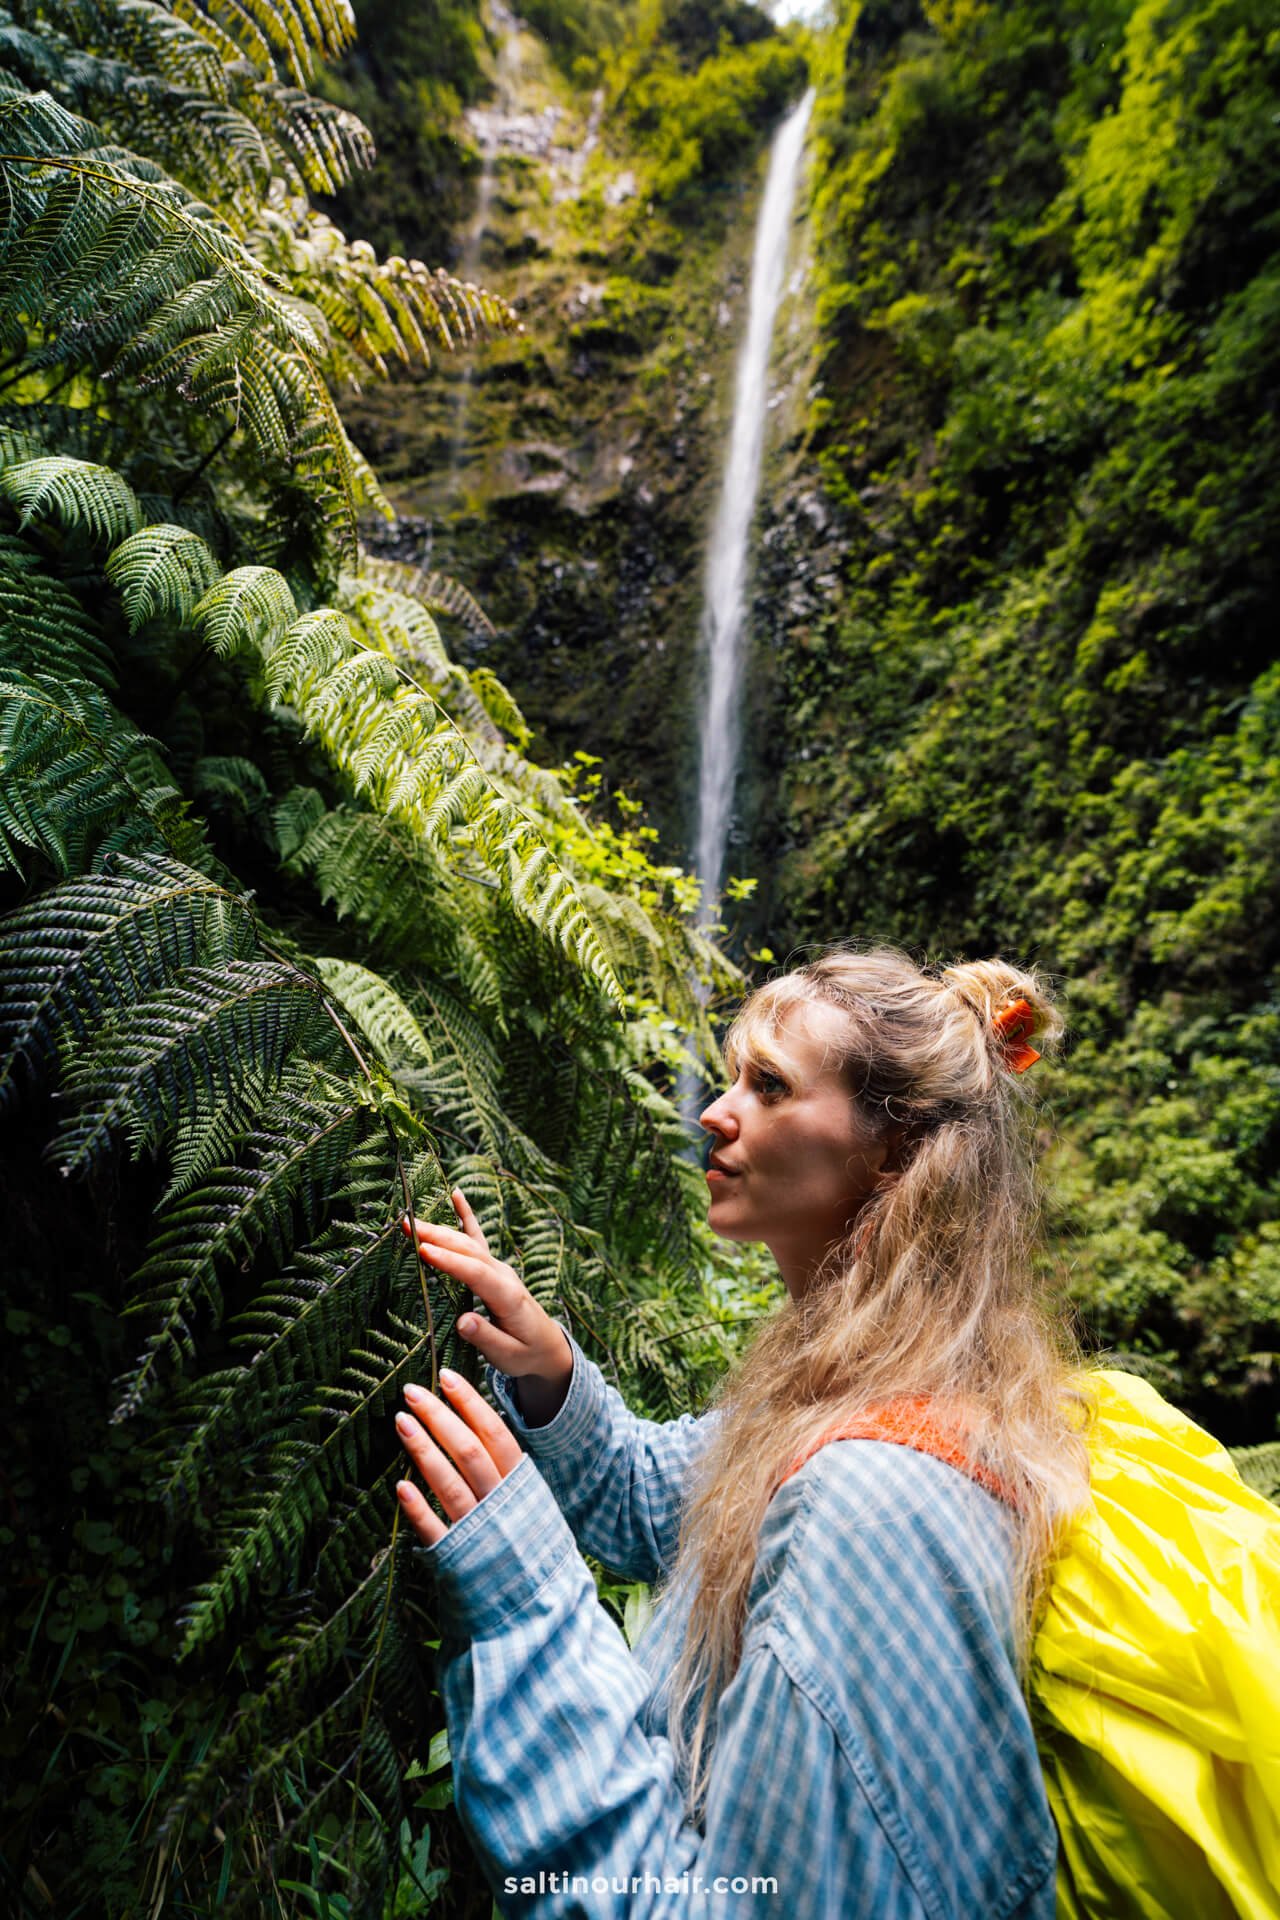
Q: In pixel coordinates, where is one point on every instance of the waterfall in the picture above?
(725, 579)
(488, 124)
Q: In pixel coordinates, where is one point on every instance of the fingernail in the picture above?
(416, 1393)
(466, 1324)
(403, 1423)
(449, 1379)
(404, 1488)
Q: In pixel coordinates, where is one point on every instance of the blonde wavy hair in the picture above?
(932, 1294)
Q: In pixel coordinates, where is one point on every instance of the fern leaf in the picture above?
(436, 592)
(91, 946)
(161, 569)
(1259, 1468)
(76, 776)
(179, 1050)
(76, 493)
(376, 1007)
(289, 1166)
(249, 609)
(43, 626)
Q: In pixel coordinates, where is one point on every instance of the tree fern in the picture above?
(447, 973)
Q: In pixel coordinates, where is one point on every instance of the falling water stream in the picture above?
(723, 631)
(723, 627)
(488, 123)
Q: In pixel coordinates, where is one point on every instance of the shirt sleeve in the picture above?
(618, 1479)
(575, 1810)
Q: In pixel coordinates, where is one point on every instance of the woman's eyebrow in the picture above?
(769, 1062)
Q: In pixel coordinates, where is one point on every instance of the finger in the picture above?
(462, 1262)
(498, 1285)
(444, 1480)
(439, 1233)
(461, 1442)
(501, 1445)
(501, 1350)
(427, 1525)
(499, 1289)
(471, 1226)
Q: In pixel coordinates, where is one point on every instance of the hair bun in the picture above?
(1014, 1005)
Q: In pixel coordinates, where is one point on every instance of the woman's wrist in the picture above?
(540, 1396)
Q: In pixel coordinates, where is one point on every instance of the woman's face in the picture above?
(793, 1156)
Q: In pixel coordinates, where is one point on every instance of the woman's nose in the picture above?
(718, 1117)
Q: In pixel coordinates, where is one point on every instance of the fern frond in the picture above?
(437, 592)
(376, 1007)
(43, 626)
(161, 569)
(311, 1654)
(157, 41)
(287, 1169)
(77, 776)
(232, 784)
(179, 1051)
(499, 705)
(89, 947)
(75, 493)
(298, 1327)
(1259, 1468)
(250, 608)
(262, 1532)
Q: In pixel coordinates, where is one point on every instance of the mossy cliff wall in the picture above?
(567, 476)
(1041, 713)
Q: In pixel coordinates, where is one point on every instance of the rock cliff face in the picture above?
(567, 475)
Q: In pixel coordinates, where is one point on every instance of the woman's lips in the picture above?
(718, 1173)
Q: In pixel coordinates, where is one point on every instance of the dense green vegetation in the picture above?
(301, 918)
(297, 938)
(1045, 716)
(407, 78)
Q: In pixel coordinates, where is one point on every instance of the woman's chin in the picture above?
(721, 1221)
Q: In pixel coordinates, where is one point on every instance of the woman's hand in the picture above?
(519, 1337)
(482, 1449)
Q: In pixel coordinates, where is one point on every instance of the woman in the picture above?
(829, 1699)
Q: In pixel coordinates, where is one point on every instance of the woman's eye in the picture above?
(769, 1083)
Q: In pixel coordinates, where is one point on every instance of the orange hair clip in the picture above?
(1011, 1027)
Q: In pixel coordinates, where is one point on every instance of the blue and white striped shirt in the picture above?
(873, 1755)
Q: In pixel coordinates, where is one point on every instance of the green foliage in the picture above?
(1049, 303)
(298, 937)
(698, 118)
(412, 72)
(1260, 1468)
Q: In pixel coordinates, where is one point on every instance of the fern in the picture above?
(377, 1009)
(74, 492)
(447, 975)
(43, 627)
(180, 1051)
(94, 946)
(1259, 1468)
(161, 570)
(78, 779)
